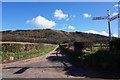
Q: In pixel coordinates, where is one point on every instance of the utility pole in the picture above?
(109, 20)
(108, 12)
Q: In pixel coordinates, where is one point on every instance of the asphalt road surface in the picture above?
(52, 65)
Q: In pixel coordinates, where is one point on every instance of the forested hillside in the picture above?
(49, 36)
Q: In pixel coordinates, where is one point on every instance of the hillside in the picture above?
(49, 36)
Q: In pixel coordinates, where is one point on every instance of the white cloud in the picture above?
(64, 27)
(86, 15)
(67, 19)
(100, 33)
(41, 22)
(92, 31)
(104, 33)
(95, 32)
(60, 15)
(115, 35)
(27, 21)
(116, 5)
(71, 27)
(72, 16)
(115, 13)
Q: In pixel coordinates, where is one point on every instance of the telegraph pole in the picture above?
(108, 12)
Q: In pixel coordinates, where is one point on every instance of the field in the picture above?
(16, 51)
(98, 56)
(96, 47)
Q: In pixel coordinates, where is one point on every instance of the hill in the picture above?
(49, 36)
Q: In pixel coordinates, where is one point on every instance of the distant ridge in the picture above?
(49, 36)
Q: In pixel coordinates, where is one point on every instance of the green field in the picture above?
(96, 47)
(16, 51)
(96, 56)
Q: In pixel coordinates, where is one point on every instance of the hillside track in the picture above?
(52, 65)
(46, 66)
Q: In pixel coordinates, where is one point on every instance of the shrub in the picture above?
(115, 45)
(11, 47)
(15, 48)
(78, 47)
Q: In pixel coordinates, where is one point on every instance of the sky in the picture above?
(66, 16)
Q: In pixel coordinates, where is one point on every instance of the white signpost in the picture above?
(100, 18)
(109, 20)
(115, 17)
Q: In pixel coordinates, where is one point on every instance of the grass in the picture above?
(95, 48)
(21, 55)
(99, 57)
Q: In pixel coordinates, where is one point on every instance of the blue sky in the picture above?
(66, 16)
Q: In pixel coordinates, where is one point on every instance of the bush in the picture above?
(78, 47)
(15, 48)
(101, 59)
(11, 47)
(115, 45)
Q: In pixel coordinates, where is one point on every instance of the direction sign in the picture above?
(114, 17)
(109, 20)
(99, 18)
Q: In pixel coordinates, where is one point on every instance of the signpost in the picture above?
(108, 12)
(115, 17)
(109, 20)
(99, 18)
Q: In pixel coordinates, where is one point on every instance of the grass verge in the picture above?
(29, 54)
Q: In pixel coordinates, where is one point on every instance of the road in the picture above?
(52, 65)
